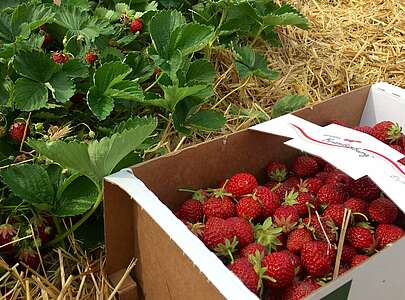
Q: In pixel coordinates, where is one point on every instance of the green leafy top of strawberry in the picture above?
(267, 234)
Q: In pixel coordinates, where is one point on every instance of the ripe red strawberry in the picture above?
(277, 171)
(398, 148)
(245, 271)
(279, 267)
(317, 258)
(217, 231)
(241, 184)
(328, 226)
(191, 210)
(252, 248)
(332, 194)
(311, 185)
(387, 132)
(348, 252)
(7, 233)
(357, 205)
(60, 58)
(221, 207)
(364, 129)
(286, 187)
(365, 188)
(320, 161)
(268, 200)
(336, 213)
(90, 57)
(305, 166)
(286, 216)
(339, 177)
(16, 131)
(243, 231)
(321, 176)
(301, 201)
(136, 25)
(298, 290)
(248, 208)
(329, 168)
(295, 260)
(358, 259)
(361, 238)
(297, 238)
(383, 210)
(196, 228)
(402, 161)
(387, 233)
(29, 257)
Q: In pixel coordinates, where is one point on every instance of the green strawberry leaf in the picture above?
(62, 87)
(190, 38)
(207, 120)
(101, 105)
(77, 198)
(35, 65)
(200, 71)
(174, 94)
(141, 66)
(29, 95)
(109, 74)
(98, 158)
(162, 27)
(251, 63)
(291, 18)
(126, 90)
(288, 104)
(31, 183)
(6, 31)
(76, 69)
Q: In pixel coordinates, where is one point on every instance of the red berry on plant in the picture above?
(60, 58)
(29, 257)
(16, 131)
(136, 25)
(90, 57)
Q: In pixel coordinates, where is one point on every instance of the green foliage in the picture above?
(288, 104)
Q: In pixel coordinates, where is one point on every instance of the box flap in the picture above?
(206, 261)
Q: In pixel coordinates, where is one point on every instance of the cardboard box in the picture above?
(174, 264)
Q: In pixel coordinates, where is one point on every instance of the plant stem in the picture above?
(155, 82)
(259, 32)
(61, 237)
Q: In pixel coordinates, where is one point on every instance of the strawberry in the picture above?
(90, 57)
(318, 258)
(387, 233)
(358, 259)
(243, 231)
(245, 271)
(287, 186)
(311, 185)
(280, 268)
(321, 163)
(383, 210)
(364, 129)
(78, 98)
(221, 207)
(252, 248)
(332, 194)
(295, 260)
(398, 148)
(268, 235)
(402, 161)
(357, 205)
(365, 188)
(248, 208)
(136, 25)
(286, 216)
(329, 168)
(301, 201)
(191, 210)
(387, 132)
(7, 233)
(277, 171)
(321, 176)
(218, 232)
(343, 269)
(361, 238)
(60, 58)
(241, 184)
(336, 213)
(29, 257)
(197, 228)
(339, 177)
(16, 131)
(297, 238)
(348, 252)
(328, 226)
(300, 289)
(268, 200)
(305, 166)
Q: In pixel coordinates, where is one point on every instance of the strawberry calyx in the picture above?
(394, 133)
(227, 249)
(291, 198)
(200, 195)
(267, 234)
(256, 261)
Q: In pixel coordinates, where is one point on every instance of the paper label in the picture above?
(355, 153)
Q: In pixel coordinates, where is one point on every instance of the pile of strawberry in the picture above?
(281, 238)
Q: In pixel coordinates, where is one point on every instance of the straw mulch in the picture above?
(350, 44)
